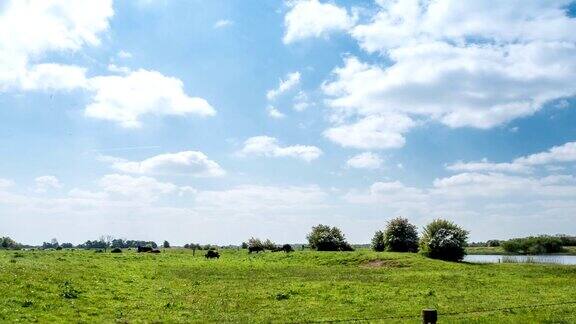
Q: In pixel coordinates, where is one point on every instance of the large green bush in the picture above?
(444, 240)
(326, 238)
(534, 245)
(400, 236)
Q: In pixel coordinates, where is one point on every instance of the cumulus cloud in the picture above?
(372, 132)
(485, 165)
(366, 160)
(46, 183)
(5, 183)
(558, 154)
(125, 99)
(254, 198)
(223, 23)
(137, 187)
(292, 80)
(274, 113)
(462, 64)
(29, 29)
(270, 147)
(124, 54)
(68, 26)
(312, 18)
(191, 163)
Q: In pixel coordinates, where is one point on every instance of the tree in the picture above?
(7, 243)
(444, 240)
(166, 244)
(244, 245)
(269, 245)
(378, 241)
(400, 236)
(326, 238)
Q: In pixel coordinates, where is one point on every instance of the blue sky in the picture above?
(215, 121)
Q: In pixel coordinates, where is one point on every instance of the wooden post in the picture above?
(429, 316)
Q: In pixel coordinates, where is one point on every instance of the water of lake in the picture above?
(492, 258)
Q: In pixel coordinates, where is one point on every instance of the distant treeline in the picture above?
(565, 240)
(531, 244)
(115, 243)
(333, 239)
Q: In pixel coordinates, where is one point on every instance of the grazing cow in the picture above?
(211, 254)
(144, 249)
(256, 249)
(116, 250)
(287, 248)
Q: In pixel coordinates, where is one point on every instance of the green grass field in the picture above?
(175, 286)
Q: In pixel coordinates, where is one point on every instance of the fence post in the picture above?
(429, 316)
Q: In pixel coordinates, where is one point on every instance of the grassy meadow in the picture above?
(304, 286)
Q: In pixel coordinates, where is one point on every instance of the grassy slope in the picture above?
(175, 286)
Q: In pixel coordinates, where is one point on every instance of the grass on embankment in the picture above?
(569, 250)
(174, 286)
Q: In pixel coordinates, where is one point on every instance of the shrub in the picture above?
(166, 245)
(326, 238)
(7, 243)
(400, 236)
(444, 240)
(269, 245)
(378, 242)
(534, 245)
(493, 243)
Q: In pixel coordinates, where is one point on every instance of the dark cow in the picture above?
(256, 249)
(287, 248)
(211, 254)
(144, 249)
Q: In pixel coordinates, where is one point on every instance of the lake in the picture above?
(493, 258)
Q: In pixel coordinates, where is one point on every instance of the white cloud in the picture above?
(292, 80)
(192, 163)
(136, 187)
(124, 54)
(401, 22)
(125, 99)
(366, 160)
(254, 198)
(562, 153)
(68, 26)
(301, 101)
(373, 132)
(5, 183)
(311, 18)
(525, 164)
(118, 69)
(269, 146)
(463, 64)
(223, 23)
(274, 113)
(485, 165)
(46, 183)
(29, 29)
